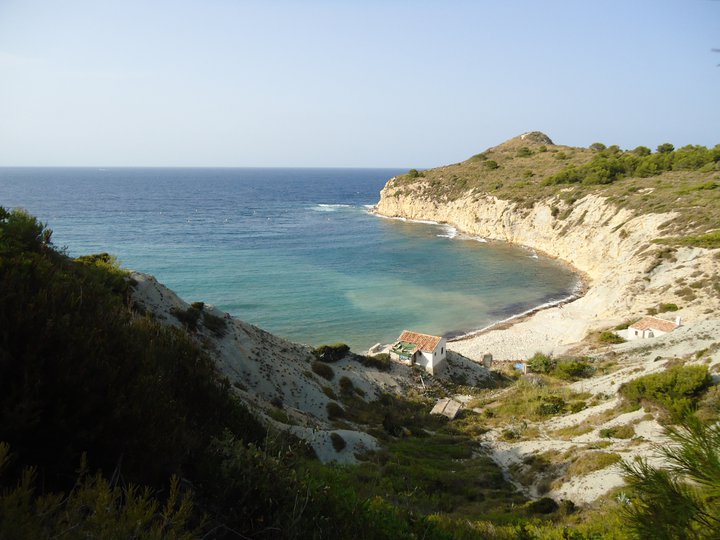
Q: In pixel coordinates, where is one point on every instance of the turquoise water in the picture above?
(293, 251)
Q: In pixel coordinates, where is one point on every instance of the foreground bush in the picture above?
(681, 500)
(677, 390)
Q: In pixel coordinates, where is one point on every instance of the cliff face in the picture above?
(627, 273)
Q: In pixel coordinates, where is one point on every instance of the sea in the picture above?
(293, 251)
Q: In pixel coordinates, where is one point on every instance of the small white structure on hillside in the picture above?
(649, 327)
(427, 351)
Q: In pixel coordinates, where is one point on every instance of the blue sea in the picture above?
(293, 251)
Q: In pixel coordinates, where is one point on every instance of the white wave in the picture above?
(321, 207)
(448, 232)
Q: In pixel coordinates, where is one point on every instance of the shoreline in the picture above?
(580, 289)
(512, 320)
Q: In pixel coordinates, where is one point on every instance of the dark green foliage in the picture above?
(188, 317)
(491, 164)
(334, 410)
(325, 371)
(709, 240)
(662, 308)
(217, 325)
(93, 509)
(381, 362)
(331, 353)
(598, 146)
(642, 151)
(545, 505)
(346, 385)
(571, 370)
(610, 337)
(541, 363)
(677, 389)
(551, 405)
(524, 152)
(413, 173)
(19, 231)
(612, 164)
(681, 500)
(338, 442)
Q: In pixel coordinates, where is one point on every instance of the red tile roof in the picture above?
(653, 323)
(423, 341)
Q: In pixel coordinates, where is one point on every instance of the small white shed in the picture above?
(427, 351)
(649, 327)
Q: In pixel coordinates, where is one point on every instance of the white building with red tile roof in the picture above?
(429, 352)
(649, 327)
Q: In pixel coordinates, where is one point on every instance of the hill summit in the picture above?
(529, 138)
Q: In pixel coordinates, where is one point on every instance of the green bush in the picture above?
(334, 410)
(217, 325)
(619, 432)
(551, 405)
(189, 317)
(491, 164)
(381, 362)
(332, 353)
(541, 363)
(325, 371)
(346, 385)
(571, 370)
(676, 389)
(545, 505)
(662, 308)
(610, 337)
(338, 442)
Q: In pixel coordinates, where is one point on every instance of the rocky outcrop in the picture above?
(626, 272)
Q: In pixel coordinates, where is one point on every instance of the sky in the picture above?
(344, 83)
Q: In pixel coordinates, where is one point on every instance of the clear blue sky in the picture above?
(348, 83)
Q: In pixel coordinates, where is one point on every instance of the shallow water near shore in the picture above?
(293, 251)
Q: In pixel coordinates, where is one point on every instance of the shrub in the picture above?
(331, 353)
(337, 441)
(551, 405)
(381, 361)
(491, 164)
(570, 370)
(524, 152)
(346, 385)
(662, 308)
(592, 461)
(217, 325)
(334, 410)
(619, 432)
(189, 317)
(325, 371)
(610, 337)
(677, 389)
(541, 363)
(546, 505)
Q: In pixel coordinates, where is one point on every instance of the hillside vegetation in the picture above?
(530, 167)
(115, 425)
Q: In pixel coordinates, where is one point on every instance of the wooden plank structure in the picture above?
(447, 407)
